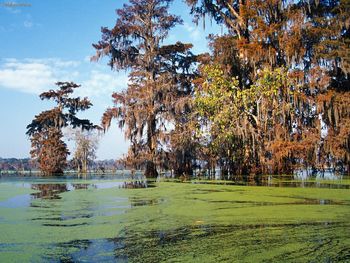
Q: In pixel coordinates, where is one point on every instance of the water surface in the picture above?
(112, 220)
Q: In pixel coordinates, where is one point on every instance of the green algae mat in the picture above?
(99, 220)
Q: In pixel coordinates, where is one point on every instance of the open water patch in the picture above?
(18, 201)
(90, 250)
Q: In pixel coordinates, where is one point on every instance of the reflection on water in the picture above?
(315, 184)
(135, 184)
(285, 181)
(327, 174)
(49, 191)
(52, 191)
(81, 186)
(293, 184)
(144, 202)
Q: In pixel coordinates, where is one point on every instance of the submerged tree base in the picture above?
(53, 173)
(151, 170)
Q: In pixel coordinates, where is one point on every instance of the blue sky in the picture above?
(47, 41)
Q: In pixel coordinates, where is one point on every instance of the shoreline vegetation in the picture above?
(202, 176)
(282, 180)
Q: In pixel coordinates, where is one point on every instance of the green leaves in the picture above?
(235, 117)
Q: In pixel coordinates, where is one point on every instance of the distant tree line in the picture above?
(25, 165)
(17, 165)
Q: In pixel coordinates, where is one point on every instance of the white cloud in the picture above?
(194, 31)
(87, 58)
(28, 24)
(35, 75)
(54, 62)
(100, 83)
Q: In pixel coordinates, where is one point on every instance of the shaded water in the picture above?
(110, 219)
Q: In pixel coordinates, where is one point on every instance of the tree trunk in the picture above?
(151, 170)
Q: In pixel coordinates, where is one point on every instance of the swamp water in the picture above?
(105, 220)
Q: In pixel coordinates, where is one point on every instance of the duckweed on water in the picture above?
(175, 222)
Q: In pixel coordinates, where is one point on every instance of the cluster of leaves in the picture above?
(234, 122)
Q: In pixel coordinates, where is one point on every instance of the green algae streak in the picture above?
(172, 222)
